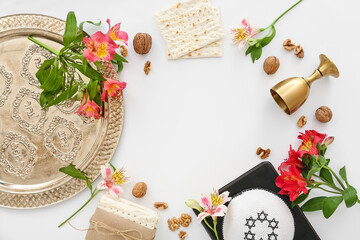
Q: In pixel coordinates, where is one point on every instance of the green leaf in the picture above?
(119, 58)
(350, 196)
(44, 70)
(300, 199)
(266, 40)
(112, 166)
(89, 71)
(256, 53)
(45, 97)
(321, 160)
(313, 204)
(314, 169)
(97, 99)
(92, 87)
(342, 173)
(51, 83)
(68, 93)
(326, 174)
(99, 65)
(72, 171)
(70, 29)
(81, 25)
(249, 50)
(330, 204)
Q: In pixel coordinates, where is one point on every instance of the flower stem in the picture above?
(43, 45)
(92, 196)
(285, 12)
(358, 201)
(333, 186)
(215, 231)
(328, 190)
(208, 225)
(337, 178)
(329, 185)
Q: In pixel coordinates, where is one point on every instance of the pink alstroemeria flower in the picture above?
(214, 206)
(89, 108)
(98, 47)
(112, 180)
(112, 88)
(115, 34)
(241, 35)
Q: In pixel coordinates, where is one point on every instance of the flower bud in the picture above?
(98, 88)
(193, 204)
(328, 141)
(80, 95)
(252, 41)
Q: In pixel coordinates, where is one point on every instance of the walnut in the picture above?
(182, 235)
(147, 67)
(289, 45)
(161, 205)
(185, 220)
(299, 51)
(302, 121)
(173, 224)
(139, 190)
(142, 43)
(263, 153)
(323, 114)
(123, 51)
(271, 65)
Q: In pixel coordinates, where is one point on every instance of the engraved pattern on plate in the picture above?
(35, 55)
(62, 139)
(17, 155)
(5, 85)
(27, 111)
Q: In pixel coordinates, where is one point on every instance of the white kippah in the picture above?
(258, 214)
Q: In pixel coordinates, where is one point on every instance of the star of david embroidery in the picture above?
(261, 217)
(249, 236)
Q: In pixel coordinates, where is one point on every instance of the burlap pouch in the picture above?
(122, 220)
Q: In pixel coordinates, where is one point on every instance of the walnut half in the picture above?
(185, 220)
(263, 153)
(289, 45)
(173, 224)
(161, 205)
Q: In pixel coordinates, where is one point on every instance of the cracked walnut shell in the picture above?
(289, 45)
(142, 43)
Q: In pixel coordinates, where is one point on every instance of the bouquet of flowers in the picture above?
(307, 169)
(61, 76)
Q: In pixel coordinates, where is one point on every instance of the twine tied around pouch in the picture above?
(104, 229)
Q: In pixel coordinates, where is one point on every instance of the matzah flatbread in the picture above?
(212, 50)
(191, 29)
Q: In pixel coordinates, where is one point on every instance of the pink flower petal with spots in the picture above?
(115, 191)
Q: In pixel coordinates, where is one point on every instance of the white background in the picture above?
(192, 125)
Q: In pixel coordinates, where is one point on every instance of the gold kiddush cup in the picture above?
(291, 93)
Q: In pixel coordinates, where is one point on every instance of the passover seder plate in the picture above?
(257, 211)
(35, 143)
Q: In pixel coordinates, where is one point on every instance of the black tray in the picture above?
(263, 176)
